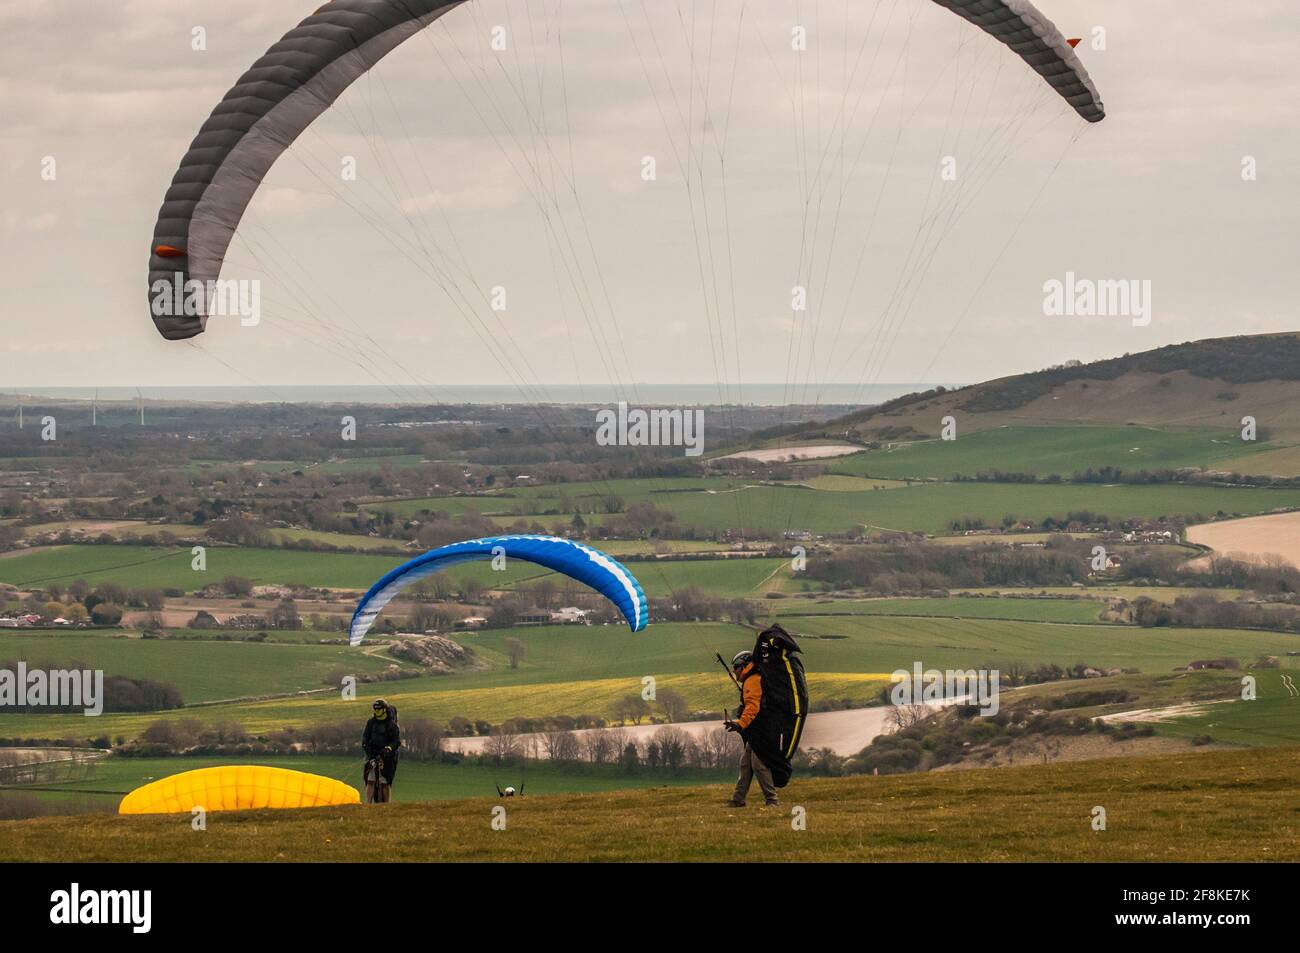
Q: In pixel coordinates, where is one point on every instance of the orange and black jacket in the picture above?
(751, 694)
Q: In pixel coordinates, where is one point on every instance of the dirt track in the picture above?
(844, 732)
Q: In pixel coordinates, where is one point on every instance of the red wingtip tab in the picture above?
(168, 251)
(1074, 42)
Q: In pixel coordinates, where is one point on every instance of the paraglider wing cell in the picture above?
(601, 572)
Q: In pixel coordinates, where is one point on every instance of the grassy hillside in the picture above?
(561, 499)
(1048, 450)
(1210, 806)
(148, 566)
(1025, 610)
(203, 671)
(1204, 386)
(1269, 459)
(932, 508)
(713, 505)
(885, 644)
(1273, 718)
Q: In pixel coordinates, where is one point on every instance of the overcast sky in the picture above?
(774, 169)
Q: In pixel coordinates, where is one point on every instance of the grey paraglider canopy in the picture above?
(310, 67)
(1037, 41)
(272, 104)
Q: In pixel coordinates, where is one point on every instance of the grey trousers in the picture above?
(751, 767)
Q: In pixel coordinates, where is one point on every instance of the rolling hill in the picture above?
(1200, 388)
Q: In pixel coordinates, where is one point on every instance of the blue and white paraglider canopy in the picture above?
(603, 573)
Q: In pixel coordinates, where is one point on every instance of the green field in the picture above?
(569, 670)
(714, 505)
(1047, 450)
(1027, 610)
(434, 700)
(1273, 718)
(647, 547)
(839, 483)
(341, 540)
(573, 670)
(930, 507)
(556, 655)
(202, 671)
(883, 644)
(933, 507)
(1159, 593)
(374, 462)
(155, 567)
(558, 498)
(556, 525)
(1229, 806)
(304, 636)
(722, 578)
(255, 466)
(108, 779)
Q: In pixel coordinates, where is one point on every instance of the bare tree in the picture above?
(673, 703)
(1049, 748)
(618, 739)
(530, 745)
(596, 746)
(518, 651)
(719, 748)
(422, 737)
(905, 716)
(544, 594)
(560, 746)
(502, 746)
(9, 767)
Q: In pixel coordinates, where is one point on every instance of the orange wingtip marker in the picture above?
(169, 251)
(1074, 42)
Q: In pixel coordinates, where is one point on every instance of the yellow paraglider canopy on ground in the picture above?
(237, 788)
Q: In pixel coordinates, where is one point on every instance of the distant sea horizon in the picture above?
(758, 395)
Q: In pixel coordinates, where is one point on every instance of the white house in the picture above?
(569, 615)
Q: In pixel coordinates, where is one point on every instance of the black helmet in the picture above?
(741, 659)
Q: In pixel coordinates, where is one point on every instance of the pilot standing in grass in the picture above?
(751, 766)
(383, 737)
